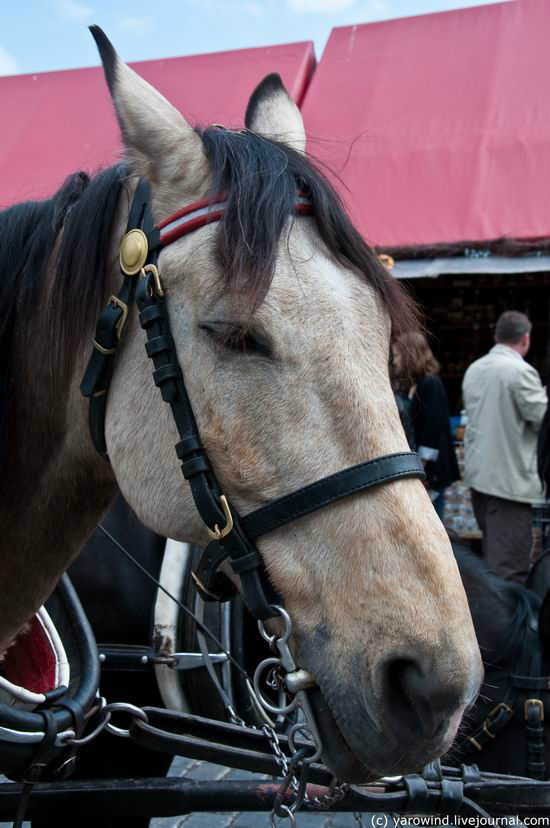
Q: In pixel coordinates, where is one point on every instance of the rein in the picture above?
(232, 536)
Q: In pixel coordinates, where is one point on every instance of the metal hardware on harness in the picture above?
(285, 667)
(152, 269)
(190, 661)
(134, 250)
(104, 717)
(123, 707)
(114, 300)
(298, 680)
(104, 351)
(535, 703)
(201, 587)
(217, 533)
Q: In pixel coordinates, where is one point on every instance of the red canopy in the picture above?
(56, 122)
(439, 125)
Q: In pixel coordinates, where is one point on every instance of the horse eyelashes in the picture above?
(238, 340)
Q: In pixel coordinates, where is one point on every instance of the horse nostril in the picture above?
(423, 700)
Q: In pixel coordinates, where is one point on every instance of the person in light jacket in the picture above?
(505, 403)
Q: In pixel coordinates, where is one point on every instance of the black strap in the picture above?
(97, 377)
(195, 465)
(214, 586)
(44, 753)
(330, 489)
(530, 682)
(534, 717)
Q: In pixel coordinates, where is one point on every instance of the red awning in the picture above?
(56, 122)
(439, 125)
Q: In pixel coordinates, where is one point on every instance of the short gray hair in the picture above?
(511, 326)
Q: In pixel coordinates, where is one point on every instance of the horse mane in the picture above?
(522, 602)
(84, 208)
(260, 178)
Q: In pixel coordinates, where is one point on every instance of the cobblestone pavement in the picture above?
(193, 769)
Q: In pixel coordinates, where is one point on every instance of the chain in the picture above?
(295, 768)
(299, 761)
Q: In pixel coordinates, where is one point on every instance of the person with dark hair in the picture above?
(423, 402)
(505, 404)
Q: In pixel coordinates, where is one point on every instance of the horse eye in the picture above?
(235, 339)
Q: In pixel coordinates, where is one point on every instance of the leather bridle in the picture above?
(232, 536)
(524, 692)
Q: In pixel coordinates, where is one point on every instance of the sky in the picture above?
(43, 35)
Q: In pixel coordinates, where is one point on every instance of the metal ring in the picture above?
(301, 727)
(123, 707)
(288, 628)
(103, 722)
(288, 815)
(268, 662)
(64, 738)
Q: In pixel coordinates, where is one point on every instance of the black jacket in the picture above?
(429, 412)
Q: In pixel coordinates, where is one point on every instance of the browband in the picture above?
(232, 535)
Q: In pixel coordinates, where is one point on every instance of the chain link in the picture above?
(336, 791)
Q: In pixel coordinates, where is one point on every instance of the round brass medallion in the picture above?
(133, 252)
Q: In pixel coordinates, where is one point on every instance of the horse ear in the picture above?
(155, 134)
(271, 112)
(544, 624)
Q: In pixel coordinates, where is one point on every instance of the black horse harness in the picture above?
(232, 536)
(524, 694)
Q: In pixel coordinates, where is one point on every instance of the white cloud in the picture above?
(323, 6)
(72, 10)
(135, 25)
(8, 64)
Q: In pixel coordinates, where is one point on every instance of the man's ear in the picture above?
(158, 140)
(271, 112)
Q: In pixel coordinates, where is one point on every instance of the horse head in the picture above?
(282, 326)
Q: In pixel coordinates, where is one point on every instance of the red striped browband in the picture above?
(206, 211)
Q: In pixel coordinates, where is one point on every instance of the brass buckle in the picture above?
(493, 715)
(114, 300)
(216, 533)
(101, 349)
(150, 268)
(201, 587)
(537, 703)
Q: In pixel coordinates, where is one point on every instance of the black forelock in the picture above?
(260, 179)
